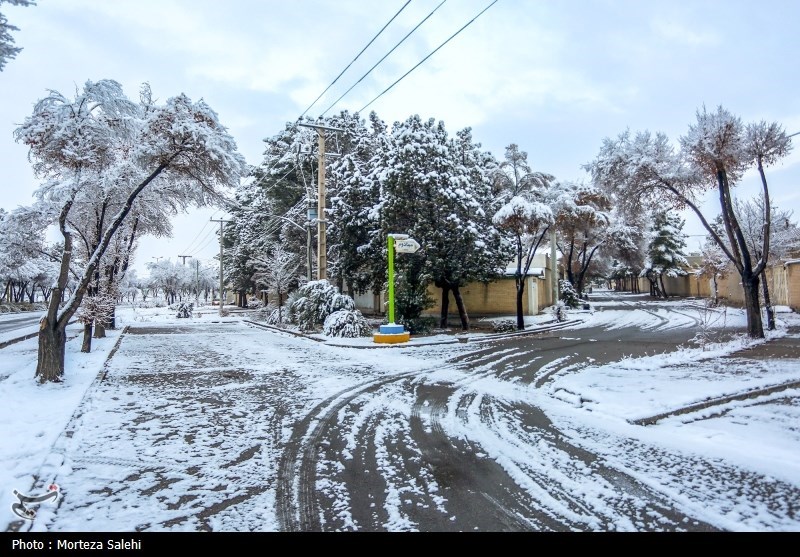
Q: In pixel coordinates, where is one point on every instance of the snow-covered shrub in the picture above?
(559, 311)
(315, 301)
(346, 323)
(184, 309)
(418, 325)
(568, 294)
(255, 303)
(262, 313)
(504, 326)
(277, 316)
(711, 324)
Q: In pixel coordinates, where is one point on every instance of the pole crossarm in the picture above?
(321, 127)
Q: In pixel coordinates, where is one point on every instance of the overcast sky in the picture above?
(555, 77)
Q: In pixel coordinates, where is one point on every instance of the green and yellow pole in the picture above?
(391, 333)
(391, 279)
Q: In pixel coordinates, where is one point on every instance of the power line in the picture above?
(207, 239)
(356, 58)
(384, 58)
(279, 158)
(428, 56)
(198, 234)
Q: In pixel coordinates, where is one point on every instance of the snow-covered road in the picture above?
(220, 425)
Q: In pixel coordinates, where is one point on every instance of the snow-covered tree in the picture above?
(436, 190)
(277, 270)
(569, 296)
(178, 280)
(583, 218)
(665, 256)
(346, 323)
(7, 48)
(785, 237)
(100, 145)
(129, 286)
(355, 246)
(713, 155)
(714, 265)
(524, 219)
(27, 263)
(94, 309)
(526, 222)
(514, 176)
(315, 301)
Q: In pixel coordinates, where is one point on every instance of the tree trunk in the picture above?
(653, 287)
(663, 288)
(112, 321)
(715, 293)
(87, 338)
(755, 326)
(462, 310)
(445, 307)
(520, 292)
(52, 343)
(768, 302)
(99, 329)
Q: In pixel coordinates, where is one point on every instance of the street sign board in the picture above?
(409, 245)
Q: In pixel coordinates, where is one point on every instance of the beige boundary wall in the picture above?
(498, 297)
(783, 280)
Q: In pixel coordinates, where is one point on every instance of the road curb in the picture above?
(18, 339)
(717, 401)
(66, 433)
(550, 326)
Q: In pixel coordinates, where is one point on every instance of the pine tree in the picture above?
(665, 251)
(437, 191)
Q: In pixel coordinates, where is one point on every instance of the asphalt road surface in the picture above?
(14, 322)
(210, 436)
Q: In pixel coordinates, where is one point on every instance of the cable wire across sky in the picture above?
(414, 29)
(356, 58)
(384, 57)
(428, 56)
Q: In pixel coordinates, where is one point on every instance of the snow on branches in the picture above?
(103, 155)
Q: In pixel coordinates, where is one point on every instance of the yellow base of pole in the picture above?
(394, 338)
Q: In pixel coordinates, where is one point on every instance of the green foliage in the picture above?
(346, 324)
(315, 301)
(419, 325)
(411, 295)
(504, 326)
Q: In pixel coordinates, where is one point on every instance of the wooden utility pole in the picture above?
(221, 286)
(322, 249)
(184, 258)
(553, 265)
(197, 281)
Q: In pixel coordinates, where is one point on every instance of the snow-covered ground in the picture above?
(596, 405)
